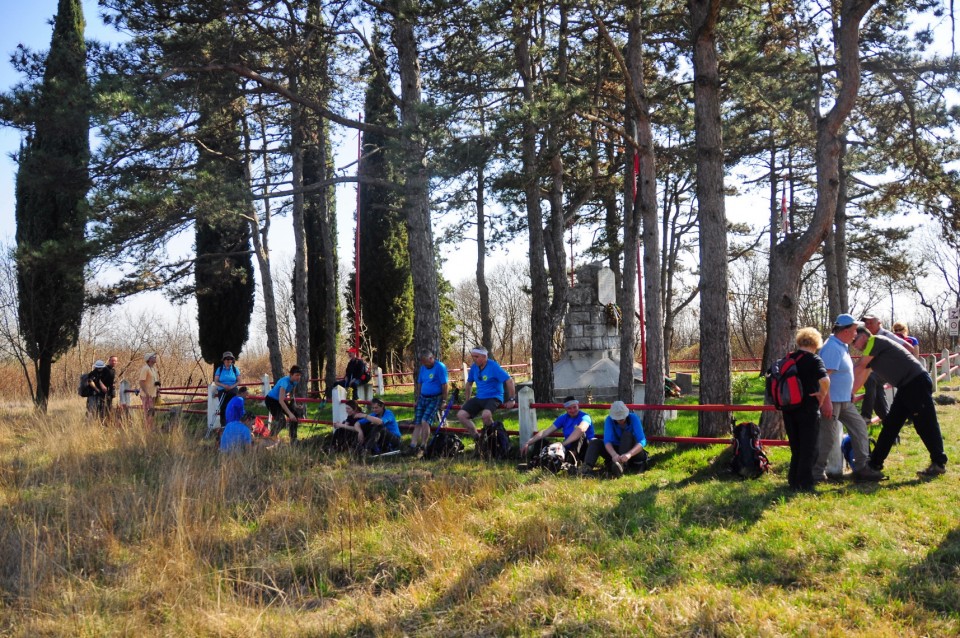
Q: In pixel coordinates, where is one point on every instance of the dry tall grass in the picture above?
(115, 532)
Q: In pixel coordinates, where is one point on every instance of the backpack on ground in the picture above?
(783, 384)
(555, 458)
(84, 388)
(494, 442)
(749, 459)
(443, 445)
(846, 448)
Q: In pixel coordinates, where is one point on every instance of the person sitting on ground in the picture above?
(385, 432)
(236, 435)
(890, 359)
(280, 401)
(355, 433)
(235, 410)
(622, 446)
(490, 379)
(430, 390)
(226, 377)
(576, 426)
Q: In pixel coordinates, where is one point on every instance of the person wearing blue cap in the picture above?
(835, 354)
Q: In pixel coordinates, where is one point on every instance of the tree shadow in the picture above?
(934, 582)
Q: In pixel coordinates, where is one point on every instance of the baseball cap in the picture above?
(845, 321)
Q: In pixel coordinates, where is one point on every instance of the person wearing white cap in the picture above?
(149, 388)
(490, 379)
(576, 426)
(622, 446)
(835, 354)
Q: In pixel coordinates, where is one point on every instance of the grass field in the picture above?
(117, 532)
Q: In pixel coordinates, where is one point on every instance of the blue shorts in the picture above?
(426, 409)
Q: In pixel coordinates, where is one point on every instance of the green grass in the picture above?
(110, 533)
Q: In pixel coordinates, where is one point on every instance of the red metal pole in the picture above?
(643, 331)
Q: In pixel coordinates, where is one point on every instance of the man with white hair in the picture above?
(490, 379)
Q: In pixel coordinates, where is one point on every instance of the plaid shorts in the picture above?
(426, 409)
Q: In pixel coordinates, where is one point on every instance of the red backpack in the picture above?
(783, 384)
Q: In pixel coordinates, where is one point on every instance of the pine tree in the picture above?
(51, 188)
(386, 287)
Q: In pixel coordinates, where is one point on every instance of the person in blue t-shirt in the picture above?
(236, 435)
(235, 410)
(835, 354)
(576, 426)
(490, 379)
(226, 377)
(430, 390)
(280, 402)
(385, 433)
(622, 444)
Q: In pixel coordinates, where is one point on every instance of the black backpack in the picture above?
(749, 459)
(84, 388)
(443, 445)
(494, 442)
(783, 384)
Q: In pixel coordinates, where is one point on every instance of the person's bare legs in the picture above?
(464, 417)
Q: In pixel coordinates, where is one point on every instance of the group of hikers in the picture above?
(824, 369)
(830, 381)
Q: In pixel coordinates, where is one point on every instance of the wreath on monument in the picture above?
(613, 314)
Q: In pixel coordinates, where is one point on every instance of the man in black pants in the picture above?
(913, 400)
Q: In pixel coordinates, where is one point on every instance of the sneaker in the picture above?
(935, 469)
(616, 469)
(419, 452)
(834, 478)
(867, 473)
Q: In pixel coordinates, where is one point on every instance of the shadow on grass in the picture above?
(933, 583)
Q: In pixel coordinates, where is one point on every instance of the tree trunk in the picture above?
(486, 320)
(300, 301)
(789, 256)
(714, 314)
(423, 266)
(260, 238)
(541, 337)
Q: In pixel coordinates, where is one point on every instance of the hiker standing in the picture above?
(891, 360)
(835, 354)
(803, 424)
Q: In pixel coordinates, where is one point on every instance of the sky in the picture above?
(29, 23)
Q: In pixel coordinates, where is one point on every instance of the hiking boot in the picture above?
(935, 469)
(834, 477)
(867, 473)
(585, 471)
(616, 469)
(419, 452)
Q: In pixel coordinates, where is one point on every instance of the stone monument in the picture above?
(590, 363)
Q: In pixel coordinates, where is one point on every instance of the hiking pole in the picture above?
(454, 396)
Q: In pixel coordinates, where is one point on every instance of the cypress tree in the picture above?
(386, 287)
(51, 188)
(225, 285)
